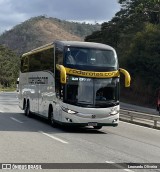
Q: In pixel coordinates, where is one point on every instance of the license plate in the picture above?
(92, 124)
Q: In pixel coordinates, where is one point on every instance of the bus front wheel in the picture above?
(51, 119)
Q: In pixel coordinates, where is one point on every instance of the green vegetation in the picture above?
(31, 34)
(9, 69)
(7, 89)
(135, 33)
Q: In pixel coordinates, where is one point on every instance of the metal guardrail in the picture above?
(140, 118)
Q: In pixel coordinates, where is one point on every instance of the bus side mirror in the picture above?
(63, 76)
(127, 77)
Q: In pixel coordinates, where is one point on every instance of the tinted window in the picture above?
(38, 61)
(47, 60)
(24, 64)
(34, 62)
(59, 56)
(90, 59)
(92, 92)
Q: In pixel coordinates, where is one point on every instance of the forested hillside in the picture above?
(135, 33)
(9, 68)
(31, 34)
(40, 30)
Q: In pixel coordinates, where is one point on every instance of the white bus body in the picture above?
(70, 102)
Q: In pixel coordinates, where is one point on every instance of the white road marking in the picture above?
(119, 166)
(1, 111)
(14, 119)
(55, 138)
(140, 126)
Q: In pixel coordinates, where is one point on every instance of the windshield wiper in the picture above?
(113, 102)
(107, 103)
(85, 102)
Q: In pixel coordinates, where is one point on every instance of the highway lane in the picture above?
(32, 140)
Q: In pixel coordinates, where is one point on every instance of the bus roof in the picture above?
(84, 44)
(72, 44)
(39, 49)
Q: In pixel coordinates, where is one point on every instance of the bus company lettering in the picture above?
(93, 74)
(38, 80)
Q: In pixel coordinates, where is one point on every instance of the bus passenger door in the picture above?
(58, 86)
(59, 96)
(36, 99)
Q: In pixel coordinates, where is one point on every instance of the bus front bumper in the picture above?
(92, 120)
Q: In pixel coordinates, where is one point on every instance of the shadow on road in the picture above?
(19, 122)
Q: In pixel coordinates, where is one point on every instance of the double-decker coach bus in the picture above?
(72, 83)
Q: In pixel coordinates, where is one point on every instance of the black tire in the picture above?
(27, 111)
(51, 119)
(97, 127)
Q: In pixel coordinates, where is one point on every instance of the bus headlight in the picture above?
(68, 110)
(114, 111)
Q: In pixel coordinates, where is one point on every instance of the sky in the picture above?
(13, 12)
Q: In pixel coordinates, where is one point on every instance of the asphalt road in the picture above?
(33, 140)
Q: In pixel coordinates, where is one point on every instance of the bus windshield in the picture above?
(90, 59)
(90, 92)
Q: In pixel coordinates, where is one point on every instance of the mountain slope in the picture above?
(40, 30)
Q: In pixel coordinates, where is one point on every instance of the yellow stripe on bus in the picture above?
(92, 74)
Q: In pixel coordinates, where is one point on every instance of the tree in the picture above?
(145, 10)
(134, 32)
(9, 67)
(143, 62)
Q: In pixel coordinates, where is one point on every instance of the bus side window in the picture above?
(47, 60)
(22, 61)
(24, 64)
(59, 56)
(34, 62)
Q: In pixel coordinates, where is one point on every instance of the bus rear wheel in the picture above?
(27, 111)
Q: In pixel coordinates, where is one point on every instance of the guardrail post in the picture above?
(155, 123)
(141, 118)
(131, 118)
